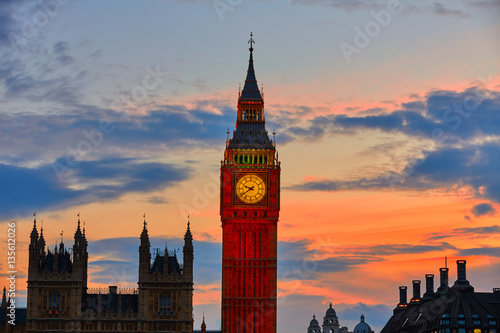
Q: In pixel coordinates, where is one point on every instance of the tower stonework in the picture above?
(250, 204)
(57, 283)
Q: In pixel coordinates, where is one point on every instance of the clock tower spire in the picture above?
(250, 192)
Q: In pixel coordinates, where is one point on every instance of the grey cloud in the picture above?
(483, 209)
(469, 232)
(481, 251)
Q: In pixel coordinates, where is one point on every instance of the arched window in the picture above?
(265, 159)
(241, 159)
(243, 115)
(246, 141)
(165, 304)
(54, 301)
(260, 159)
(256, 141)
(246, 159)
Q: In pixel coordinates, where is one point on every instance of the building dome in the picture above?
(314, 326)
(331, 312)
(330, 321)
(362, 327)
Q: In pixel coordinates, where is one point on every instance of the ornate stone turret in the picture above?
(80, 255)
(188, 252)
(34, 258)
(203, 325)
(144, 252)
(314, 326)
(331, 321)
(4, 301)
(165, 289)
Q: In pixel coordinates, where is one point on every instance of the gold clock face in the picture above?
(251, 188)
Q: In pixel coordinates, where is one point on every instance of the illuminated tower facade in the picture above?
(250, 203)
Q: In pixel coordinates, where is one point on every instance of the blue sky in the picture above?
(389, 152)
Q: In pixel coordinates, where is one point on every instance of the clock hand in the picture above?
(251, 188)
(246, 191)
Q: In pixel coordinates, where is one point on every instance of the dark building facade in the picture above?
(456, 309)
(250, 204)
(59, 300)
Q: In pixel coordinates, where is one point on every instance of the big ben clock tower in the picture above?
(250, 204)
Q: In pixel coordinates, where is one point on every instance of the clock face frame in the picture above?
(251, 188)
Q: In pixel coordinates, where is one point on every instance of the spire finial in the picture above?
(34, 218)
(83, 228)
(145, 223)
(62, 236)
(330, 305)
(188, 222)
(78, 219)
(251, 42)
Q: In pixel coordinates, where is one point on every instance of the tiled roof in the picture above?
(250, 136)
(251, 89)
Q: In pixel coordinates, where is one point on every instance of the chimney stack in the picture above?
(402, 296)
(429, 283)
(462, 282)
(403, 304)
(416, 292)
(429, 287)
(416, 289)
(461, 274)
(443, 277)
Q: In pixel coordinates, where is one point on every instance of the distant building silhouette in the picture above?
(20, 316)
(362, 327)
(204, 328)
(458, 309)
(59, 300)
(331, 324)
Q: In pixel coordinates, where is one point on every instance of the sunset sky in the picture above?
(387, 119)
